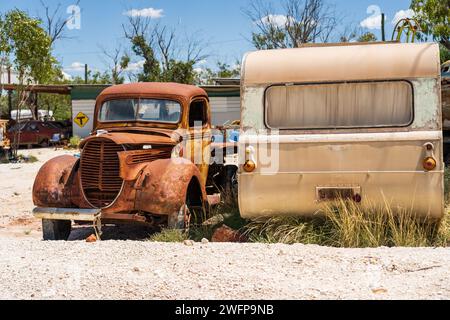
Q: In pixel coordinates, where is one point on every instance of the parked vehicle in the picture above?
(35, 133)
(355, 121)
(147, 161)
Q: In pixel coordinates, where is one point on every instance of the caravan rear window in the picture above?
(340, 105)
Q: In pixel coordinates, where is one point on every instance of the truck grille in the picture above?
(100, 172)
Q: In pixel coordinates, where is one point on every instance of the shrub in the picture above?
(74, 142)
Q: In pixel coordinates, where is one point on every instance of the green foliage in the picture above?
(3, 107)
(367, 37)
(27, 158)
(434, 18)
(23, 40)
(169, 235)
(226, 71)
(223, 70)
(273, 38)
(74, 142)
(445, 53)
(178, 71)
(140, 47)
(59, 104)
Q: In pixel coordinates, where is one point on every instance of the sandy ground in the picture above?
(124, 266)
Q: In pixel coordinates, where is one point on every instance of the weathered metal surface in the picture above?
(165, 185)
(100, 167)
(385, 164)
(128, 171)
(67, 214)
(347, 62)
(52, 185)
(135, 138)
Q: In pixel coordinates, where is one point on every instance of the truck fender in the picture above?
(166, 184)
(52, 185)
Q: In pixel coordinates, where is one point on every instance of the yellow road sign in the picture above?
(81, 119)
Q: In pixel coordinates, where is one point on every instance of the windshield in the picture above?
(152, 110)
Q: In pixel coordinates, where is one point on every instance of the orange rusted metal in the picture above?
(128, 169)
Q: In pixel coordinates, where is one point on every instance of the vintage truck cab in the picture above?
(146, 161)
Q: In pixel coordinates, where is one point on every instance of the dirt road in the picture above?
(142, 270)
(138, 269)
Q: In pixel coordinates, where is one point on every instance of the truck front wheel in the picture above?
(54, 230)
(180, 220)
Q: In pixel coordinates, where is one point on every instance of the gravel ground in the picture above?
(33, 269)
(125, 269)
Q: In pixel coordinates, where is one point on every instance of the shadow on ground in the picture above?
(113, 232)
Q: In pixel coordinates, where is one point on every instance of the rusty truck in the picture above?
(149, 160)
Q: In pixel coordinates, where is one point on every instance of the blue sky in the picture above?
(220, 22)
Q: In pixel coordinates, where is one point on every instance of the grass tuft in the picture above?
(169, 235)
(27, 159)
(346, 224)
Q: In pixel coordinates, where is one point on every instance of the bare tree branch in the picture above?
(54, 21)
(302, 21)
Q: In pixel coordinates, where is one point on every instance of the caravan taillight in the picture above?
(429, 163)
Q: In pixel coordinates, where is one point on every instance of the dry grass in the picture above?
(346, 224)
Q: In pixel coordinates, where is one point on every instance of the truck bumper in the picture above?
(67, 214)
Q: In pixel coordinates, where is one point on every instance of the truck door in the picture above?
(199, 131)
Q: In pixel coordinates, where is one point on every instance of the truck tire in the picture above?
(55, 230)
(180, 220)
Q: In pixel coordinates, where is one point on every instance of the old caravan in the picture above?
(359, 121)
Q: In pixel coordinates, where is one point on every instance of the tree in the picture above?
(165, 56)
(142, 42)
(434, 18)
(117, 62)
(27, 47)
(445, 53)
(367, 37)
(302, 21)
(226, 71)
(54, 22)
(206, 76)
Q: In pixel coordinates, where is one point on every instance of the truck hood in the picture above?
(159, 137)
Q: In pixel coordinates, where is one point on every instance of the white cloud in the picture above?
(146, 12)
(402, 14)
(135, 66)
(75, 66)
(374, 21)
(276, 19)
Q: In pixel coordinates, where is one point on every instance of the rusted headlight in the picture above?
(249, 166)
(429, 163)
